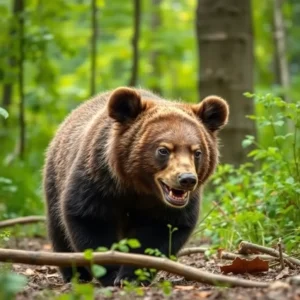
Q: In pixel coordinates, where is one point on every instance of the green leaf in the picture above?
(279, 123)
(98, 271)
(10, 284)
(133, 243)
(248, 95)
(246, 143)
(123, 248)
(166, 287)
(88, 254)
(86, 290)
(102, 249)
(149, 251)
(290, 180)
(3, 113)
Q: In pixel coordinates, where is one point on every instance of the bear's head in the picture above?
(163, 148)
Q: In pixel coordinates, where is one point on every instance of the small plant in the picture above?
(79, 291)
(125, 244)
(260, 200)
(4, 236)
(154, 252)
(11, 284)
(171, 231)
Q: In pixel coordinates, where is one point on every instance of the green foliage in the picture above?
(260, 200)
(98, 271)
(3, 113)
(11, 284)
(4, 237)
(79, 291)
(154, 252)
(125, 244)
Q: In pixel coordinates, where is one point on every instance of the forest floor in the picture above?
(44, 282)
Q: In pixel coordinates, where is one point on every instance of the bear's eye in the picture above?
(197, 153)
(163, 151)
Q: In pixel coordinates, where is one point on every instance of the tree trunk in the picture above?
(135, 43)
(281, 62)
(22, 125)
(154, 55)
(93, 47)
(225, 45)
(7, 91)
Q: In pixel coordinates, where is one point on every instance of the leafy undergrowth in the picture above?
(44, 282)
(259, 201)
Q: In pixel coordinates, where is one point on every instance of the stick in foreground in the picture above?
(112, 257)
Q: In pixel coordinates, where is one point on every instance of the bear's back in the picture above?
(72, 132)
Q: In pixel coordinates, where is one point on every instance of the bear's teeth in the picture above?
(171, 194)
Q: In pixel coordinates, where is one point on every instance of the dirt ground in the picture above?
(44, 282)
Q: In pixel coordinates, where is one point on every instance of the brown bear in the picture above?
(125, 164)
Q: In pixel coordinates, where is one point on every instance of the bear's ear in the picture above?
(213, 112)
(124, 104)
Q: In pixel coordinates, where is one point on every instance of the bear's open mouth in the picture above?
(174, 196)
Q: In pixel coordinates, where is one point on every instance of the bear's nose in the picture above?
(187, 180)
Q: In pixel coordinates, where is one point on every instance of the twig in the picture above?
(22, 220)
(224, 254)
(113, 257)
(246, 246)
(279, 244)
(192, 250)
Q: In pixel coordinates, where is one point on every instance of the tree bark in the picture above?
(156, 22)
(135, 43)
(7, 94)
(281, 62)
(22, 125)
(7, 91)
(94, 47)
(225, 46)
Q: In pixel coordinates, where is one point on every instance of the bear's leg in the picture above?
(60, 244)
(89, 218)
(56, 232)
(86, 233)
(154, 237)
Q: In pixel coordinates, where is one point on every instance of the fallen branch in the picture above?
(113, 257)
(224, 254)
(22, 220)
(246, 246)
(192, 250)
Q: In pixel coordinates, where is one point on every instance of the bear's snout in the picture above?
(187, 180)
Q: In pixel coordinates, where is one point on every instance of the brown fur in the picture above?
(103, 167)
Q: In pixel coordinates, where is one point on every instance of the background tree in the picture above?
(93, 46)
(226, 65)
(135, 42)
(156, 23)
